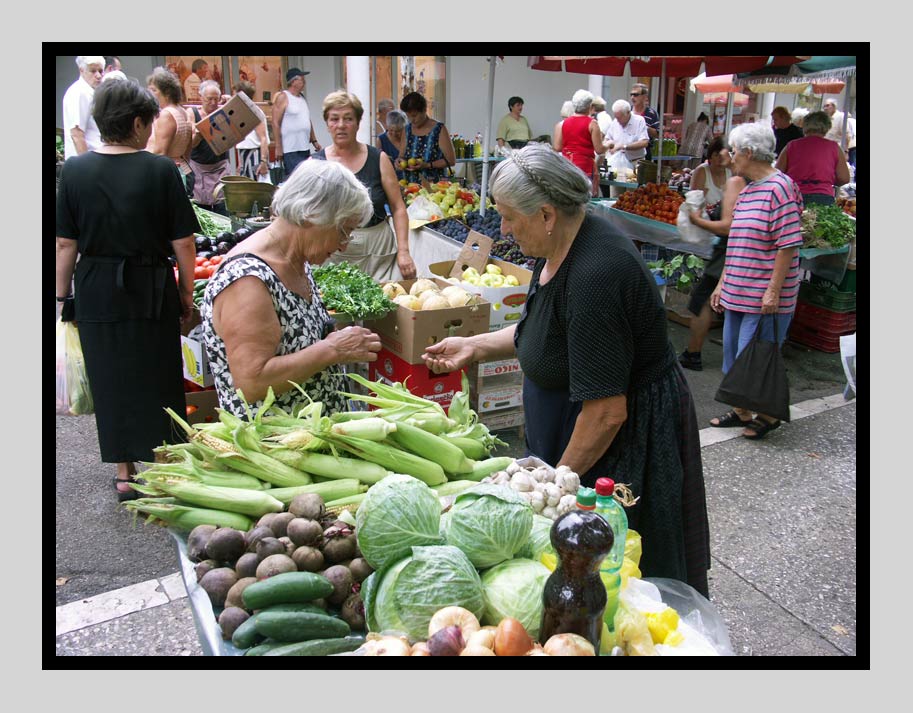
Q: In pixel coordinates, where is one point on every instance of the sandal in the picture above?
(761, 428)
(730, 420)
(123, 495)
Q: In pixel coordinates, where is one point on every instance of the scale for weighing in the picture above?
(245, 198)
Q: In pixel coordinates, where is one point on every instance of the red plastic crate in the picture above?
(823, 341)
(824, 320)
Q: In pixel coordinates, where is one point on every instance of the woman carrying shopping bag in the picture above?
(761, 273)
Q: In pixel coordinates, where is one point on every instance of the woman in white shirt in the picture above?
(711, 176)
(253, 151)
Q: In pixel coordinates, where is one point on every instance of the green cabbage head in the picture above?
(406, 595)
(397, 514)
(490, 523)
(514, 589)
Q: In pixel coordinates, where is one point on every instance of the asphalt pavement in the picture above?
(782, 524)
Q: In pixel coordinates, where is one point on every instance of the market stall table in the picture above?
(645, 230)
(427, 246)
(470, 165)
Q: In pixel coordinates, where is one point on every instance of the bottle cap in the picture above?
(586, 498)
(605, 486)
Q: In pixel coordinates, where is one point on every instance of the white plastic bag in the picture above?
(689, 232)
(848, 359)
(74, 397)
(619, 161)
(264, 178)
(424, 209)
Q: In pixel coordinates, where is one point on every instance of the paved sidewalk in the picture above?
(783, 540)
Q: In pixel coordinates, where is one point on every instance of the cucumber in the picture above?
(300, 626)
(246, 635)
(286, 588)
(264, 648)
(316, 647)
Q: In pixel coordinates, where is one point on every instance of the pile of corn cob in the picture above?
(234, 470)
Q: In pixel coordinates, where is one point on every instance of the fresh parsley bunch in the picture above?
(347, 290)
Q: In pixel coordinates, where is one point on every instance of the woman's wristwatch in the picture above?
(64, 299)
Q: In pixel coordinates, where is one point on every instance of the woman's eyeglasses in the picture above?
(344, 236)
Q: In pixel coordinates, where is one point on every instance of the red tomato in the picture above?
(215, 259)
(200, 273)
(199, 260)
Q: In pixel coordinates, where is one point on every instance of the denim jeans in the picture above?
(739, 329)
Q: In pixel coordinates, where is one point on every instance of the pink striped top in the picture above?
(766, 219)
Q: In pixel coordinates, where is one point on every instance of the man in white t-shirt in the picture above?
(80, 133)
(199, 72)
(627, 133)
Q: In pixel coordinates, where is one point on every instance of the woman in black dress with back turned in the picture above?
(603, 391)
(124, 211)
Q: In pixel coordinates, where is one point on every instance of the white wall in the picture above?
(467, 94)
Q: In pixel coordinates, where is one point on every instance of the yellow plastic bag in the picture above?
(632, 633)
(74, 397)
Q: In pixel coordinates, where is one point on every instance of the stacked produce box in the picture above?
(826, 310)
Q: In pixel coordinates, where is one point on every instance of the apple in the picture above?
(412, 162)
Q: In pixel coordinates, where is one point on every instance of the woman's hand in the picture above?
(406, 265)
(186, 305)
(263, 169)
(693, 215)
(353, 344)
(715, 298)
(770, 302)
(449, 354)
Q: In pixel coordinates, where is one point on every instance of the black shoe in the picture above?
(690, 360)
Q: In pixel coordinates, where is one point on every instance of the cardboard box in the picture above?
(206, 403)
(229, 124)
(506, 302)
(406, 332)
(499, 398)
(196, 363)
(422, 382)
(499, 368)
(500, 420)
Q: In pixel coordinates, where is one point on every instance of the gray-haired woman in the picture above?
(393, 141)
(815, 163)
(263, 322)
(579, 139)
(761, 273)
(603, 392)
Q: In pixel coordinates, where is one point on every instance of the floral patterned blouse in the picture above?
(302, 322)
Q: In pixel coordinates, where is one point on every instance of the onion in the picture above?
(484, 637)
(454, 616)
(387, 646)
(511, 638)
(447, 642)
(420, 649)
(477, 651)
(568, 645)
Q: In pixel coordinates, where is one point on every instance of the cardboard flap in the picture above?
(229, 124)
(475, 254)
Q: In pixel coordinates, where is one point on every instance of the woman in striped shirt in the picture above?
(761, 273)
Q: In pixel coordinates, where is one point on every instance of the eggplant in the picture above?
(223, 247)
(202, 243)
(242, 233)
(224, 235)
(207, 254)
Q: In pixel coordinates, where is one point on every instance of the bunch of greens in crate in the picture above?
(347, 290)
(826, 226)
(686, 270)
(208, 226)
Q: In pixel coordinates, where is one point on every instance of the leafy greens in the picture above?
(347, 290)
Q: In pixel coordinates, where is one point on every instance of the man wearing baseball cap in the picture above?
(292, 125)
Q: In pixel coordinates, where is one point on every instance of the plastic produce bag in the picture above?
(423, 208)
(619, 161)
(689, 232)
(74, 397)
(675, 618)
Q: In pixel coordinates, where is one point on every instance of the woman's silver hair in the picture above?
(535, 175)
(799, 113)
(322, 193)
(756, 137)
(207, 84)
(621, 105)
(567, 109)
(396, 119)
(599, 103)
(84, 61)
(582, 100)
(817, 123)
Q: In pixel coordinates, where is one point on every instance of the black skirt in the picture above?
(135, 370)
(657, 453)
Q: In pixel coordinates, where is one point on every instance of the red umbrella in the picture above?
(676, 66)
